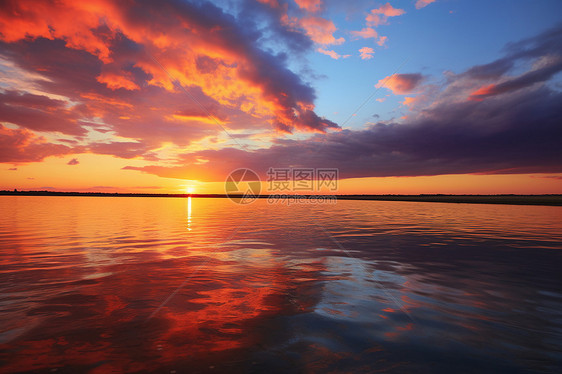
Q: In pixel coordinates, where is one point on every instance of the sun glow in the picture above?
(190, 189)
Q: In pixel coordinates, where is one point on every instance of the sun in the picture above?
(190, 189)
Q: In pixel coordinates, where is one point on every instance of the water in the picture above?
(101, 284)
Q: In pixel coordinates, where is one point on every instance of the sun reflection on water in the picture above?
(189, 213)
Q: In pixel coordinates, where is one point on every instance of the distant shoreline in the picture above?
(549, 200)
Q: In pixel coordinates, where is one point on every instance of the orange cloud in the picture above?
(409, 101)
(379, 16)
(400, 84)
(21, 145)
(115, 81)
(367, 53)
(320, 30)
(423, 3)
(311, 6)
(177, 36)
(36, 19)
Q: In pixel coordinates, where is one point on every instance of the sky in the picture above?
(404, 96)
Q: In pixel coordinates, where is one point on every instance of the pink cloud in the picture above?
(365, 33)
(320, 30)
(382, 40)
(423, 3)
(332, 54)
(312, 6)
(367, 53)
(74, 161)
(379, 16)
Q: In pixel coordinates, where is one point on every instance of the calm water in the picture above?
(95, 284)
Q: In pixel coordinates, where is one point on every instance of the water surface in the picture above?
(115, 284)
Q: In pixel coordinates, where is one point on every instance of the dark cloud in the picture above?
(274, 29)
(544, 44)
(110, 66)
(259, 67)
(490, 71)
(528, 79)
(548, 43)
(543, 51)
(37, 112)
(119, 149)
(516, 130)
(519, 135)
(74, 161)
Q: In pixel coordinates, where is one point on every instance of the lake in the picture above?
(172, 285)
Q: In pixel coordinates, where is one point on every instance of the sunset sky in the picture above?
(406, 96)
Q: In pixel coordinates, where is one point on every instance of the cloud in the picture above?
(366, 32)
(423, 3)
(516, 131)
(13, 169)
(539, 74)
(492, 70)
(379, 16)
(369, 32)
(40, 113)
(120, 149)
(320, 30)
(367, 53)
(74, 161)
(506, 136)
(382, 40)
(21, 145)
(401, 84)
(117, 52)
(409, 101)
(332, 54)
(115, 81)
(312, 6)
